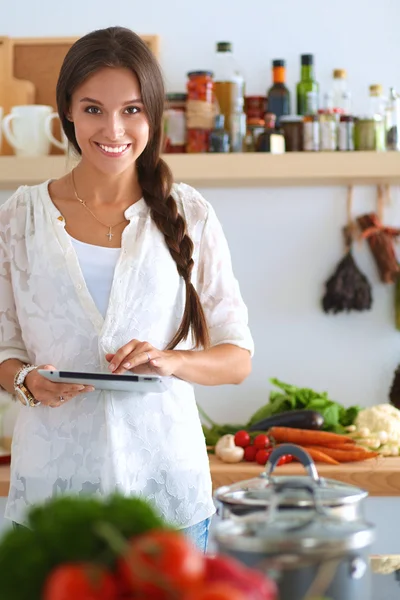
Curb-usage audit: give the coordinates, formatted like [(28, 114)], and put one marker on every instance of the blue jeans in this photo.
[(198, 534)]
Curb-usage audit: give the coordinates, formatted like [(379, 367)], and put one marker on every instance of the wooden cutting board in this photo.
[(13, 91)]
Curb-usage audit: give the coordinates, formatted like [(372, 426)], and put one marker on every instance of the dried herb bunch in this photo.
[(348, 288)]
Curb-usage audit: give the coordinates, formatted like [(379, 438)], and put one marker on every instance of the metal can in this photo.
[(346, 133)]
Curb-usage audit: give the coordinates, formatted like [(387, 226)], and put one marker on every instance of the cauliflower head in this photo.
[(382, 417)]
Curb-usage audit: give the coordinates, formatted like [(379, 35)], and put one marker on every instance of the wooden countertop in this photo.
[(378, 476)]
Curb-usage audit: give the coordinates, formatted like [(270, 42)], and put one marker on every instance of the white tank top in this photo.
[(97, 265)]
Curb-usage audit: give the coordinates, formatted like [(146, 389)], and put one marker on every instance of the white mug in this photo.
[(28, 135), (63, 144)]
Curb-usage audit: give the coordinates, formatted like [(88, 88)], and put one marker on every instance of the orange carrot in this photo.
[(307, 436), (321, 457), (346, 447), (344, 455)]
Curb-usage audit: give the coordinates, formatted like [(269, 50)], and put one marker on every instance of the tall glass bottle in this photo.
[(341, 97), (307, 83), (278, 94), (229, 85), (377, 112)]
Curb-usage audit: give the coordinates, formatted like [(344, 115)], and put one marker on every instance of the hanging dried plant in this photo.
[(348, 288)]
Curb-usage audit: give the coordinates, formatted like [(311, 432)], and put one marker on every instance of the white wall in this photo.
[(284, 242)]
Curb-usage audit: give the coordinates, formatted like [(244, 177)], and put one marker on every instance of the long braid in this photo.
[(156, 185)]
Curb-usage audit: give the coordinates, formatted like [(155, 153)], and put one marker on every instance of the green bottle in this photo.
[(306, 84)]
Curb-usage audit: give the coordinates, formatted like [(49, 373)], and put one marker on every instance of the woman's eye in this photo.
[(92, 110), (132, 110)]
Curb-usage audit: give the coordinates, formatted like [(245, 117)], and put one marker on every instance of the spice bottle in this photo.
[(341, 97), (307, 83), (219, 138), (377, 110), (328, 130), (311, 124), (271, 140), (278, 94), (255, 127)]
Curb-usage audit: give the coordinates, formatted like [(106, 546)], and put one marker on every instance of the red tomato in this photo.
[(262, 456), (80, 582), (262, 441), (242, 438), (286, 458), (250, 453), (216, 591), (254, 584), (160, 560)]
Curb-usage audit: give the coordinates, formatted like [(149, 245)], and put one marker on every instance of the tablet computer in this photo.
[(128, 382)]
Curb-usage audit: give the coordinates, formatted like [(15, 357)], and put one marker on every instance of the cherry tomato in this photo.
[(242, 439), (80, 582), (262, 456), (160, 560), (286, 458), (262, 441), (216, 591), (250, 453)]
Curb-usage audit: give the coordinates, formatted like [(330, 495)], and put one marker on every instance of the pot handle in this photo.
[(299, 453)]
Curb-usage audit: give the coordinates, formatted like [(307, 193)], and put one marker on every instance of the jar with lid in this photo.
[(255, 127), (328, 130), (175, 123), (292, 127), (368, 133), (200, 110), (255, 107)]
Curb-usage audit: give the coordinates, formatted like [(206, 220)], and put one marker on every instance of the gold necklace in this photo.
[(110, 234)]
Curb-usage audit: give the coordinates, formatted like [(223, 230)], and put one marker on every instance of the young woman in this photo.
[(114, 267)]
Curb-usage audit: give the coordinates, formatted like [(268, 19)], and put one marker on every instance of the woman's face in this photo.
[(111, 125)]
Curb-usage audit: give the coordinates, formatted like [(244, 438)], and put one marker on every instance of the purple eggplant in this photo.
[(299, 419)]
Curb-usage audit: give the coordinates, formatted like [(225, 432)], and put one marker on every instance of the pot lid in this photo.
[(294, 533), (259, 491)]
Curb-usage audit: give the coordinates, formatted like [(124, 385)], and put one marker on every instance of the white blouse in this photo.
[(145, 444), (97, 264)]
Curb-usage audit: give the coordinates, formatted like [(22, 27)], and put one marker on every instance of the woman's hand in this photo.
[(50, 393), (142, 358)]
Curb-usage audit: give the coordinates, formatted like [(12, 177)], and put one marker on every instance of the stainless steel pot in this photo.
[(310, 551), (245, 497)]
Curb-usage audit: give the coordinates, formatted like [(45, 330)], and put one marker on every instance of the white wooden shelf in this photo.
[(235, 170)]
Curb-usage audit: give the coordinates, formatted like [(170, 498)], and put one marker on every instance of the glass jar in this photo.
[(292, 127), (368, 134), (175, 123), (200, 110), (346, 133), (255, 107), (328, 130), (255, 127)]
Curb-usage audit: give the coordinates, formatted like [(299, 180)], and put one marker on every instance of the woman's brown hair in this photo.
[(121, 48)]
